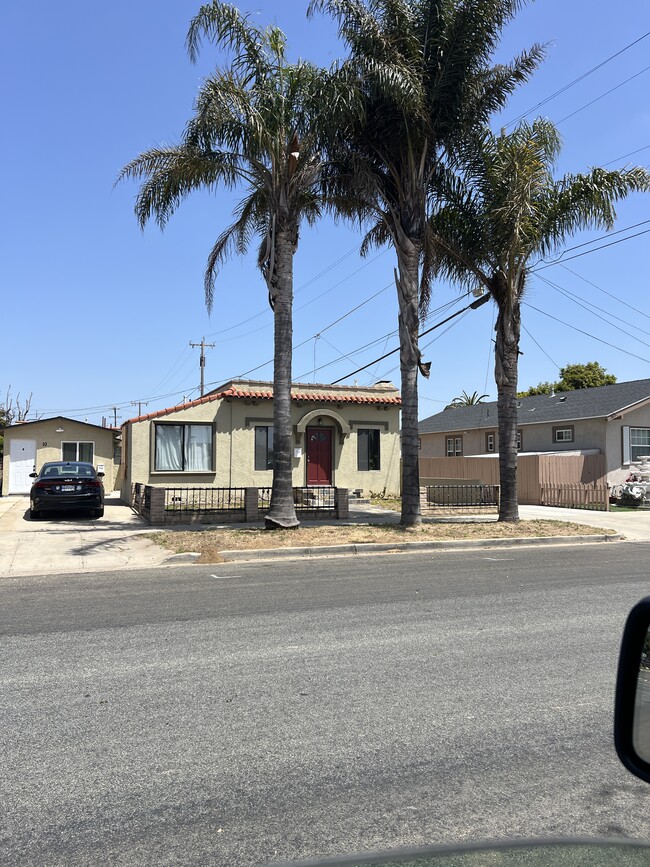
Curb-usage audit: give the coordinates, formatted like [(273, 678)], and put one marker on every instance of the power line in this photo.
[(576, 80), (539, 347), (586, 333), (385, 337), (602, 96), (604, 291), (473, 306), (591, 308), (624, 156), (586, 253), (594, 241)]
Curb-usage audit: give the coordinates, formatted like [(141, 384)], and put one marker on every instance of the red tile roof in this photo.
[(345, 395)]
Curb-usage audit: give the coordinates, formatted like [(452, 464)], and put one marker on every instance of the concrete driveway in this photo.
[(73, 542)]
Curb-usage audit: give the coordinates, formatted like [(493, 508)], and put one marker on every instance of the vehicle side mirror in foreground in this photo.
[(632, 706), (101, 475), (33, 475)]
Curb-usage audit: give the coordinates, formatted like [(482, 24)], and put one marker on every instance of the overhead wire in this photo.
[(577, 80), (604, 291), (586, 333), (602, 96), (591, 308)]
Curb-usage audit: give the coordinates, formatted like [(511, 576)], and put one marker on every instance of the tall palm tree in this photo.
[(424, 74), (505, 212), (255, 127)]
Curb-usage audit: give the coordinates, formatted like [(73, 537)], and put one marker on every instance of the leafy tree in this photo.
[(503, 213), (589, 375), (465, 399), (255, 126), (540, 388), (424, 73)]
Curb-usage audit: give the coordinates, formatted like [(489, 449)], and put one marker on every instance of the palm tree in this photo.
[(254, 126), (504, 213), (465, 399), (423, 71)]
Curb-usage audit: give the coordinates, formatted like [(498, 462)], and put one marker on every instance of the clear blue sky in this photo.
[(97, 314)]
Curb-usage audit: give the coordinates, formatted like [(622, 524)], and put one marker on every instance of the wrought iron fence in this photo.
[(307, 499), (475, 498), (204, 499)]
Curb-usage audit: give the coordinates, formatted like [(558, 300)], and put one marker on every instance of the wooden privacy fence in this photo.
[(533, 471), (594, 497)]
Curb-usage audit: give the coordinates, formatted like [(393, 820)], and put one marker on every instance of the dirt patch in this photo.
[(210, 542)]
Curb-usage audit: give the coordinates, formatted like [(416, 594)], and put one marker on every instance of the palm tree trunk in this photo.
[(407, 281), (506, 352), (282, 513)]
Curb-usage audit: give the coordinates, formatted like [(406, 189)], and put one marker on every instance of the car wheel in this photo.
[(34, 514)]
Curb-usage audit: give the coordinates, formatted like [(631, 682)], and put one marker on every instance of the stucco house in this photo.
[(342, 435), (613, 420), (29, 444)]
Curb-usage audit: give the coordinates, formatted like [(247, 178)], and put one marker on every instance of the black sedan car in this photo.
[(67, 485)]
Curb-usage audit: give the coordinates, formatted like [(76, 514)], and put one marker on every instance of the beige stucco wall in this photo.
[(235, 422), (48, 444)]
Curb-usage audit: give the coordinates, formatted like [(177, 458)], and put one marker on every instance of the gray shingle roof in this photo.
[(563, 406)]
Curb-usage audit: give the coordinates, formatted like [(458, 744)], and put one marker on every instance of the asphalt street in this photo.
[(246, 713)]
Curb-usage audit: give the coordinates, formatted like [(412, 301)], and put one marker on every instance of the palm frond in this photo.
[(223, 24)]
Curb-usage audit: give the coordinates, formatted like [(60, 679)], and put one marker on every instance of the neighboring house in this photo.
[(29, 444), (342, 435), (613, 420)]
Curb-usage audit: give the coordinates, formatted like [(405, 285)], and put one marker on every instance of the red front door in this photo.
[(319, 456)]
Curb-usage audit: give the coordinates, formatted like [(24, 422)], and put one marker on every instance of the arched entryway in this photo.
[(319, 428)]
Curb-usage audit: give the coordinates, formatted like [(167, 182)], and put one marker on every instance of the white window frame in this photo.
[(456, 449), (631, 459), (559, 435), (490, 442)]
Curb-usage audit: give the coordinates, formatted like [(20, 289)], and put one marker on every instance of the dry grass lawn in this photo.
[(210, 542)]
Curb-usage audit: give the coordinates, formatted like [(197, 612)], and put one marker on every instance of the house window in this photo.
[(490, 441), (563, 434), (183, 448), (264, 448), (520, 440), (639, 443), (454, 447), (367, 449), (78, 452)]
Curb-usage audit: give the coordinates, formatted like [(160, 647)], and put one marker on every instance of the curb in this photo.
[(183, 557), (398, 547)]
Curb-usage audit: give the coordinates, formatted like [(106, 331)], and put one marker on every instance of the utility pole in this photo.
[(140, 404), (114, 408), (203, 346)]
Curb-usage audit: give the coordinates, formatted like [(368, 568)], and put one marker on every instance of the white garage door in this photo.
[(22, 454)]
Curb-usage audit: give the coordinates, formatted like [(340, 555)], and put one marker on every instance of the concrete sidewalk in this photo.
[(116, 541)]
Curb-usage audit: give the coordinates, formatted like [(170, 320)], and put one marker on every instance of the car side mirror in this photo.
[(632, 706), (33, 475), (101, 475)]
